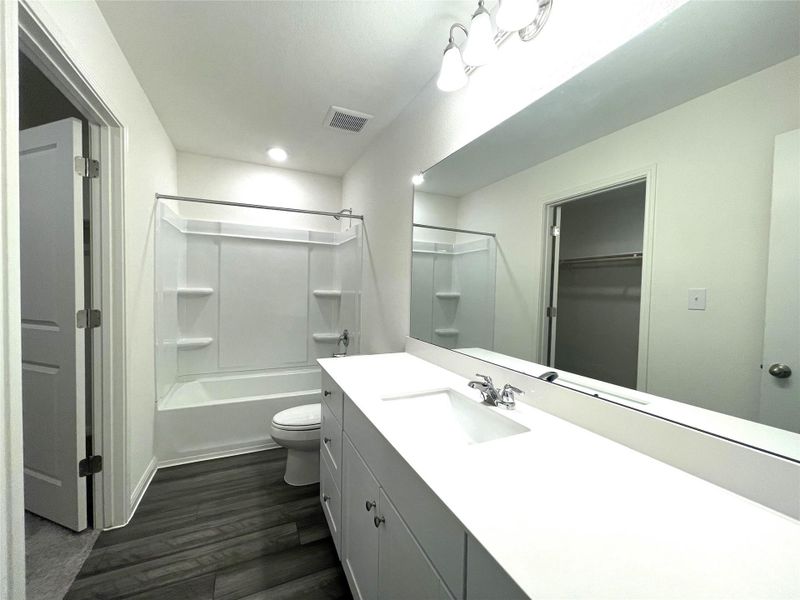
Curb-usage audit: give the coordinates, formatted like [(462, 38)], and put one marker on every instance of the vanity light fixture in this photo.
[(452, 76), (277, 154), (526, 17), (418, 179), (480, 47)]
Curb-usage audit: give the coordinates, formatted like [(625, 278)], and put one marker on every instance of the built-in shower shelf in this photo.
[(194, 343), (448, 295), (325, 337), (328, 293), (446, 332), (194, 292)]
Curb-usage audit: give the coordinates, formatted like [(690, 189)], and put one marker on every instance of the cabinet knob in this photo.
[(370, 505), (327, 440), (326, 393), (378, 521), (325, 497)]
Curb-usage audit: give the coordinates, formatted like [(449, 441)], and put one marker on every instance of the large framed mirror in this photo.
[(637, 230)]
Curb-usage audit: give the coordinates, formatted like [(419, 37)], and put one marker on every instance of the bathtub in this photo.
[(230, 414)]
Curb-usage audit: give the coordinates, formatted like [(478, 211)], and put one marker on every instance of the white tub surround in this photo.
[(555, 511), (217, 416)]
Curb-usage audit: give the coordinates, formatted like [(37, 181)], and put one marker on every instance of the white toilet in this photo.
[(297, 430)]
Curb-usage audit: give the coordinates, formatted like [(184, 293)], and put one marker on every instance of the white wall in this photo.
[(149, 167), (236, 181), (436, 124), (713, 160)]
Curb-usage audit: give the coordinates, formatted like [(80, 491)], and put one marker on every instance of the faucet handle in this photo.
[(508, 395), (486, 378)]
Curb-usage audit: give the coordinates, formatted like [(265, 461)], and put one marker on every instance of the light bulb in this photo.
[(452, 76), (480, 47), (514, 15), (277, 154), (418, 179)]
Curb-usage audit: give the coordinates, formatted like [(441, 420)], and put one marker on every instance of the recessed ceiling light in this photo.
[(418, 179), (277, 154)]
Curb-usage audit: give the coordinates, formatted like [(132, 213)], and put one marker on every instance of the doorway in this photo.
[(594, 277), (56, 275)]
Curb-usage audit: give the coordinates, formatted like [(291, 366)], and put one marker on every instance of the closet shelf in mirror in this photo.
[(605, 258), (328, 293), (325, 337), (193, 343), (448, 295), (194, 292), (446, 332)]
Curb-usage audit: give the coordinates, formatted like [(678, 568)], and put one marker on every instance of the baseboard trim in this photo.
[(185, 460), (139, 490)]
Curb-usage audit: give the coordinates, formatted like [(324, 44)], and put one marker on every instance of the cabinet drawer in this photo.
[(331, 444), (331, 500), (435, 528), (332, 395)]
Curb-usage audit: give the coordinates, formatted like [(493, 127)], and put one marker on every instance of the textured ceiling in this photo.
[(232, 78)]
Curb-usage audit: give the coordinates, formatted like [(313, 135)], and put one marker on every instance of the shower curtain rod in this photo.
[(336, 215), (454, 229)]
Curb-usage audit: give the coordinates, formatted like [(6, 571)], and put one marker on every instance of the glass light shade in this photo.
[(418, 179), (452, 76), (514, 15), (480, 47)]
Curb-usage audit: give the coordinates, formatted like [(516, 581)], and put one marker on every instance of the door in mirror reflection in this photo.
[(595, 276)]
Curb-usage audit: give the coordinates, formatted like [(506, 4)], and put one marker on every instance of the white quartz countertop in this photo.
[(570, 514)]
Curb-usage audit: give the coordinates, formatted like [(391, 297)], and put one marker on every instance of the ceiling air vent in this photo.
[(345, 119)]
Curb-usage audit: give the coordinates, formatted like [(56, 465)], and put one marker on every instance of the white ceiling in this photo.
[(698, 48), (231, 78)]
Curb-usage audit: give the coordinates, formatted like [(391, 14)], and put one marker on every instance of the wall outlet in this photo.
[(697, 298)]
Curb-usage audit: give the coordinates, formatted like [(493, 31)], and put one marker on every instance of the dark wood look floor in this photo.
[(222, 529)]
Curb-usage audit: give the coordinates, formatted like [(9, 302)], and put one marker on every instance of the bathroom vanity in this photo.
[(431, 494)]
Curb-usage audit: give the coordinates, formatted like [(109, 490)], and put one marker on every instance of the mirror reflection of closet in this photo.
[(595, 284)]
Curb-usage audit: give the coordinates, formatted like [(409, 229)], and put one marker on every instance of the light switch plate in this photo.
[(697, 298)]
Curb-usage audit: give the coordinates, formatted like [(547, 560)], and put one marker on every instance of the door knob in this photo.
[(780, 371), (370, 505), (326, 393), (378, 521), (325, 497)]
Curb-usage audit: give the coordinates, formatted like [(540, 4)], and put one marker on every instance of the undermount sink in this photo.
[(447, 416)]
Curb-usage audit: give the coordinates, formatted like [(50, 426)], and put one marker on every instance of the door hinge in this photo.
[(552, 311), (86, 167), (88, 318), (90, 465), (555, 231)]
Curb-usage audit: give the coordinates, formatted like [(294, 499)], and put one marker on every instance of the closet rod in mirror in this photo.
[(605, 258)]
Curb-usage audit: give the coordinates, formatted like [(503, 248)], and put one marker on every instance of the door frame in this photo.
[(24, 30), (646, 174)]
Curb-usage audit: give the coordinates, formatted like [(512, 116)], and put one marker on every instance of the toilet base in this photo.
[(302, 467)]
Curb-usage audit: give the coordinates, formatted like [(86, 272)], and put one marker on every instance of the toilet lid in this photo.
[(307, 416)]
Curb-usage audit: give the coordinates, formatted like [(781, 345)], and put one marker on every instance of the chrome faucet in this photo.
[(491, 395)]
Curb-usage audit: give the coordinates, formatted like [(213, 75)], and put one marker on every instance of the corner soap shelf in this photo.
[(194, 292), (328, 293), (193, 343)]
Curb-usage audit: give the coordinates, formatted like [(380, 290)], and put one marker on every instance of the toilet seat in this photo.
[(307, 417)]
